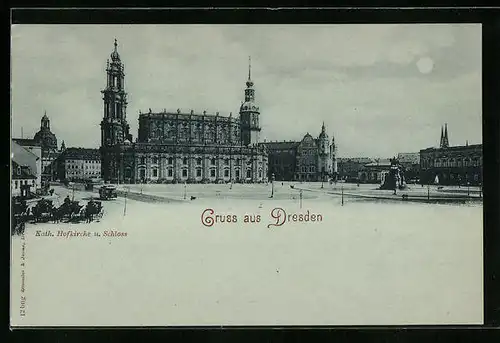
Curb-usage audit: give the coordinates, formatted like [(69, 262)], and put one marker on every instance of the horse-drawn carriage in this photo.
[(42, 211), (69, 211), (20, 213), (107, 192)]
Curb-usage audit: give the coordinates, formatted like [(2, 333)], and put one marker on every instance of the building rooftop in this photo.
[(453, 148), (409, 157), (22, 156), (286, 145), (379, 163), (26, 141), (81, 154), (355, 159), (190, 114)]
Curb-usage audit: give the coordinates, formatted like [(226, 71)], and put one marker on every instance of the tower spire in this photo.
[(249, 68), (116, 45), (446, 143), (442, 138)]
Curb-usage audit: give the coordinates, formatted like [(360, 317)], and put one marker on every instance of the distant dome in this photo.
[(46, 139), (127, 142)]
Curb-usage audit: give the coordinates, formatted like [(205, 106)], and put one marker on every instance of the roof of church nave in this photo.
[(191, 113)]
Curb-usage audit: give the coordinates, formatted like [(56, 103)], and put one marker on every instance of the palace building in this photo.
[(177, 146), (451, 165), (310, 159)]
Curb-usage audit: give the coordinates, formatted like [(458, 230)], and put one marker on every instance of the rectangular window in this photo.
[(212, 161), (15, 183), (237, 173), (198, 172), (170, 172), (155, 172), (184, 173), (143, 160), (170, 160), (185, 161), (212, 173), (155, 160), (226, 173)]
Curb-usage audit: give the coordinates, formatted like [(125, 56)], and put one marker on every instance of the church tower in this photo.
[(444, 143), (114, 127), (324, 157), (249, 114), (333, 154)]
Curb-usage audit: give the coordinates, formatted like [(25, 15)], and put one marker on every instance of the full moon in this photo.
[(425, 65)]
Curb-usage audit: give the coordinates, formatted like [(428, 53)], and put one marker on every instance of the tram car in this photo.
[(107, 192)]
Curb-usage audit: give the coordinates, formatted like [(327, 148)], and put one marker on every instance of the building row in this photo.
[(178, 146), (199, 147), (444, 165)]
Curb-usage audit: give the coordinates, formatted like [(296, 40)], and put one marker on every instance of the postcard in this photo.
[(270, 175)]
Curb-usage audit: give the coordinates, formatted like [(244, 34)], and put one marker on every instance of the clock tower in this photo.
[(250, 114)]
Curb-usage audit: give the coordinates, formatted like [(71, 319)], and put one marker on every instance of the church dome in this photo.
[(47, 139), (249, 106), (115, 56)]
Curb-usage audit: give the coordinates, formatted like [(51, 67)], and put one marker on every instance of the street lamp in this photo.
[(468, 184), (322, 179), (125, 205), (272, 185), (185, 185)]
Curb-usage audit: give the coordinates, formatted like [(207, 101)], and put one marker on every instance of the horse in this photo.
[(58, 213), (41, 209), (90, 210)]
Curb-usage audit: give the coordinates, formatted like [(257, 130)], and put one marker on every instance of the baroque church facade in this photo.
[(174, 147)]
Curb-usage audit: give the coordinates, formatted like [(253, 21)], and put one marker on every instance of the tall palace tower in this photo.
[(114, 127), (249, 114)]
